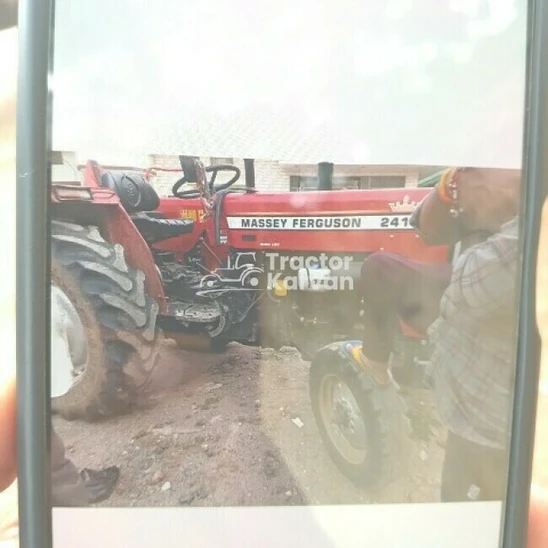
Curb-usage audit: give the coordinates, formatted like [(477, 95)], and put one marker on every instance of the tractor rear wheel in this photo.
[(362, 425), (104, 338)]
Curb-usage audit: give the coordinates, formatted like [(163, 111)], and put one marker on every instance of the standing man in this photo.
[(474, 337), (468, 313)]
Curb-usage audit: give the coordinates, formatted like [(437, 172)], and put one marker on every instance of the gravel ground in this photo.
[(236, 429)]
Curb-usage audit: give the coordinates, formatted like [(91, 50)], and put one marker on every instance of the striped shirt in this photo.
[(474, 340)]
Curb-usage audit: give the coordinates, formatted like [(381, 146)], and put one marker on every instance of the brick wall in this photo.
[(64, 167), (412, 180), (163, 181), (269, 176), (412, 174)]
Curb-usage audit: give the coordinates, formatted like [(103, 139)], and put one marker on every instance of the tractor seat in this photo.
[(135, 192), (155, 230), (140, 200)]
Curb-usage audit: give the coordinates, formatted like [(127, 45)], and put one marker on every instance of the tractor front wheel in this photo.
[(361, 423)]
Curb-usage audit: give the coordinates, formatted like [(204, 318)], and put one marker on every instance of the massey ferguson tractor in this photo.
[(211, 264)]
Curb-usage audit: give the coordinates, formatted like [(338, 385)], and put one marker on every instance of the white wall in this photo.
[(65, 170), (269, 176)]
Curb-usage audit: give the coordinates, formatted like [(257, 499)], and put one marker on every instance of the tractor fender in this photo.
[(120, 229), (104, 210)]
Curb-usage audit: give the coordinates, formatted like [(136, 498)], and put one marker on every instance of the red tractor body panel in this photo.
[(175, 208), (359, 221), (366, 221)]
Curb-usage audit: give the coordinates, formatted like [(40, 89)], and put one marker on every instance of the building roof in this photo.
[(431, 180)]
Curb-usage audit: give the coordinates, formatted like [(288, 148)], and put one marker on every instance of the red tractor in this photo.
[(214, 263)]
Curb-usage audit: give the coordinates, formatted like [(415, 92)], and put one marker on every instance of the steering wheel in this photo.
[(214, 170)]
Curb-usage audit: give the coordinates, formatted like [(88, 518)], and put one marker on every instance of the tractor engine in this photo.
[(205, 302), (316, 296)]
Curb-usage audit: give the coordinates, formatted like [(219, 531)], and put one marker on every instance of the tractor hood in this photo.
[(353, 220)]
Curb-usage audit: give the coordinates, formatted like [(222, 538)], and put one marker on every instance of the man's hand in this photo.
[(8, 463), (538, 517), (9, 531), (8, 460)]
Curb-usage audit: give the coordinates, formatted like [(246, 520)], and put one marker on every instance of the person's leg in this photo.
[(459, 478), (494, 474), (393, 287), (472, 472), (68, 489), (72, 488)]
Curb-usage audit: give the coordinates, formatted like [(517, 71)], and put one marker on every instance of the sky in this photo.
[(349, 81)]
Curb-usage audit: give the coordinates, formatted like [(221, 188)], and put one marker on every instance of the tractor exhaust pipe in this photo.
[(325, 176), (249, 165)]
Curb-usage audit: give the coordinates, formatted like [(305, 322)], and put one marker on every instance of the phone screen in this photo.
[(286, 247)]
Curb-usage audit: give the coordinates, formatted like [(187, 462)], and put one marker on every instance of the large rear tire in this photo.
[(119, 322), (361, 424)]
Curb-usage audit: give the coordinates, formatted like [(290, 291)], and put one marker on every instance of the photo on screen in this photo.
[(285, 259)]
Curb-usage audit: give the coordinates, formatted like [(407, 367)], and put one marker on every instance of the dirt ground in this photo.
[(237, 429)]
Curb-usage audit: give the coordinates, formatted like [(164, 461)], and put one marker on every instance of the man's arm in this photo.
[(484, 277)]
